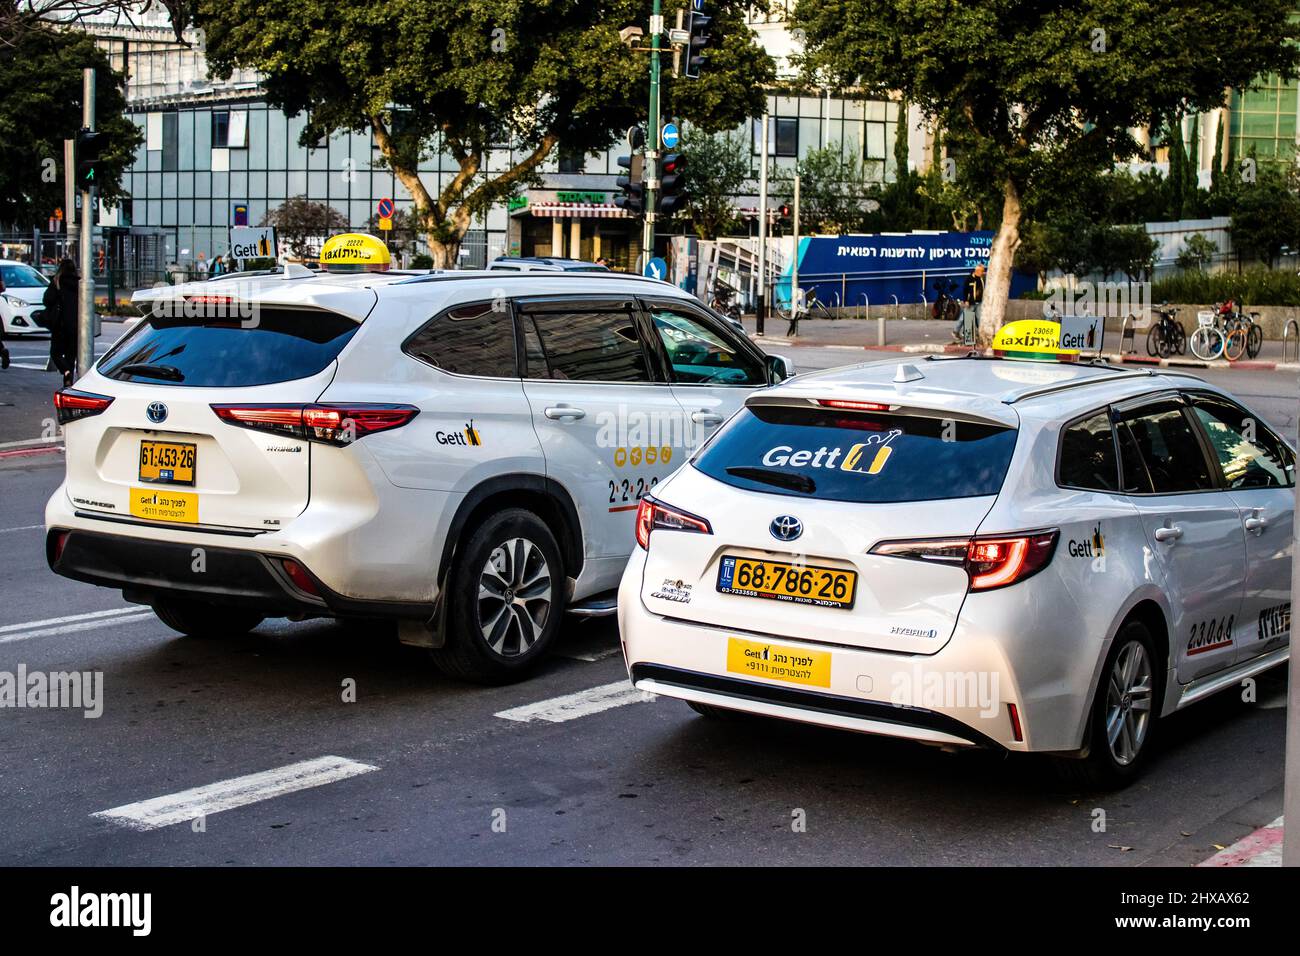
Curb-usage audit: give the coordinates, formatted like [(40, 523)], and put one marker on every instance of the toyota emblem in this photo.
[(786, 527), (157, 412)]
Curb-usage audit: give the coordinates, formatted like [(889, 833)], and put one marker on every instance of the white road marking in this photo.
[(25, 527), (572, 706), (72, 623), (236, 792)]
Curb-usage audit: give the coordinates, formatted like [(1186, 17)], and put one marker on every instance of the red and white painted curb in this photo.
[(1261, 848), (30, 448)]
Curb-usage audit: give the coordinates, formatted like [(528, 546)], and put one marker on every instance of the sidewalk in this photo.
[(929, 336), (1261, 848)]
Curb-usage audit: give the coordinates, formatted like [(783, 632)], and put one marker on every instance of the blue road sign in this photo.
[(656, 268), (671, 135)]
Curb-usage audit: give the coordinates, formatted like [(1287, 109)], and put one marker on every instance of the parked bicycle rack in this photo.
[(1127, 334), (1286, 341)]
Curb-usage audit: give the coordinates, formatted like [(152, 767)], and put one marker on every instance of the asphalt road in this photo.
[(454, 782)]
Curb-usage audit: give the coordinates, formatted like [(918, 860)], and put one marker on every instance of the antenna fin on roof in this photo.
[(296, 270), (907, 373)]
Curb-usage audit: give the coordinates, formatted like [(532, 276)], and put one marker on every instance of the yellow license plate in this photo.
[(168, 462), (782, 581), (794, 665), (164, 504)]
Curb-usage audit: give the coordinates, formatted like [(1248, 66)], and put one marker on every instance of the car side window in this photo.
[(1088, 455), (595, 346), (477, 339), (1163, 437), (1250, 455), (698, 355)]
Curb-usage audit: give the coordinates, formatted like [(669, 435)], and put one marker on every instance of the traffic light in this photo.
[(632, 184), (672, 193), (90, 148), (698, 28)]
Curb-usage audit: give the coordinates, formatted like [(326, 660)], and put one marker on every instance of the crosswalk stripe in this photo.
[(71, 623), (582, 704), (235, 792)]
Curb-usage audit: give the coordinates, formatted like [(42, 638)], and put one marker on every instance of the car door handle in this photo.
[(705, 417), (1172, 533), (557, 412), (1256, 523)]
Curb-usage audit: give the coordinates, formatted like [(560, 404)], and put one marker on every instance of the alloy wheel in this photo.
[(1128, 703), (514, 597)]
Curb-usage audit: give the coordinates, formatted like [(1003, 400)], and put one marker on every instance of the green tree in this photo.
[(1042, 89), (1198, 252), (835, 190), (40, 107), (718, 167), (460, 80), (1266, 216), (301, 224)]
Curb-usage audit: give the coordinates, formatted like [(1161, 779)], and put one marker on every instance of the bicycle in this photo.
[(1167, 335), (1207, 342)]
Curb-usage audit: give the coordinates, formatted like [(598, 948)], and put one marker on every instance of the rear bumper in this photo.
[(146, 570)]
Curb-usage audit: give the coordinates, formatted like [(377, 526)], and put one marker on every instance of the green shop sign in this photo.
[(597, 198)]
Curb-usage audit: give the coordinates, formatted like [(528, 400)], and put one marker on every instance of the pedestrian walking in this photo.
[(62, 307), (201, 268), (972, 297)]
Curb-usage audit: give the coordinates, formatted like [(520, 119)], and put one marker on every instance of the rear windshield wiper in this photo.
[(782, 479), (168, 373)]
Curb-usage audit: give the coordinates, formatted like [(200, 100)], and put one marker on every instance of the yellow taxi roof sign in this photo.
[(354, 252), (1031, 338)]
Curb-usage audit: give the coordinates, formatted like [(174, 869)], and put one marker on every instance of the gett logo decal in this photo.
[(864, 458), (470, 436), (1094, 547)]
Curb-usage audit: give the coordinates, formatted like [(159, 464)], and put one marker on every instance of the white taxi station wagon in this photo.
[(450, 451), (970, 552)]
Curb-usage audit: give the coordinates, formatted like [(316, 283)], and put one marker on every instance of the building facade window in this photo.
[(1264, 119)]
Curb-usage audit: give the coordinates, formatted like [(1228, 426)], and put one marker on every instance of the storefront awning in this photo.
[(577, 210)]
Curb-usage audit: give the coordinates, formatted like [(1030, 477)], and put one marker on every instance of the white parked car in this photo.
[(970, 552), (24, 287), (462, 452)]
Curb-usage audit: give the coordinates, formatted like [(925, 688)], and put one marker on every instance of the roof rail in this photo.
[(452, 276), (1010, 398)]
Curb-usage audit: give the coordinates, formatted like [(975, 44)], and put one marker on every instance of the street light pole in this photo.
[(652, 135), (86, 293), (761, 304)]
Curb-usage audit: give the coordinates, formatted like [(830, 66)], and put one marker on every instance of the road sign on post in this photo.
[(671, 136), (385, 208)]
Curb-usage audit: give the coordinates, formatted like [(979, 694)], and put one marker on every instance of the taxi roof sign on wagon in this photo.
[(355, 252), (1049, 340)]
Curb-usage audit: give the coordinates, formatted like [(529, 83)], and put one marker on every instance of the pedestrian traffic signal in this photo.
[(89, 150), (631, 184), (672, 191), (698, 28)]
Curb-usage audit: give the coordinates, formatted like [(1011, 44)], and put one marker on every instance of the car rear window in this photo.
[(270, 345), (858, 457)]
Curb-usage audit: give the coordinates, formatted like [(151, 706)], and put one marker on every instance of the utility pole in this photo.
[(69, 194), (794, 262), (653, 136), (761, 305), (86, 312)]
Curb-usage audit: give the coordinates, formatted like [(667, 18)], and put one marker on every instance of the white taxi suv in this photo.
[(970, 552), (21, 300), (461, 452)]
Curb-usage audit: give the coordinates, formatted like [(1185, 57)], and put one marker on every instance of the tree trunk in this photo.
[(445, 252), (997, 284)]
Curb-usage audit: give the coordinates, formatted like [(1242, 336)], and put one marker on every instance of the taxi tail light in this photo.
[(70, 404), (993, 561), (329, 424), (652, 515)]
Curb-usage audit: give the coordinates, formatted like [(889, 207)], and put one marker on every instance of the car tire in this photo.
[(198, 619), (1130, 666), (506, 596)]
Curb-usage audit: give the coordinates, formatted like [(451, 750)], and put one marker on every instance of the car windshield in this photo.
[(866, 458), (19, 276)]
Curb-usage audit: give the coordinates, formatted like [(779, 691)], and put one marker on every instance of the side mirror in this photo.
[(779, 368)]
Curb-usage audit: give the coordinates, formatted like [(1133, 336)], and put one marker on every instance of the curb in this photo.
[(1261, 848), (29, 448)]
